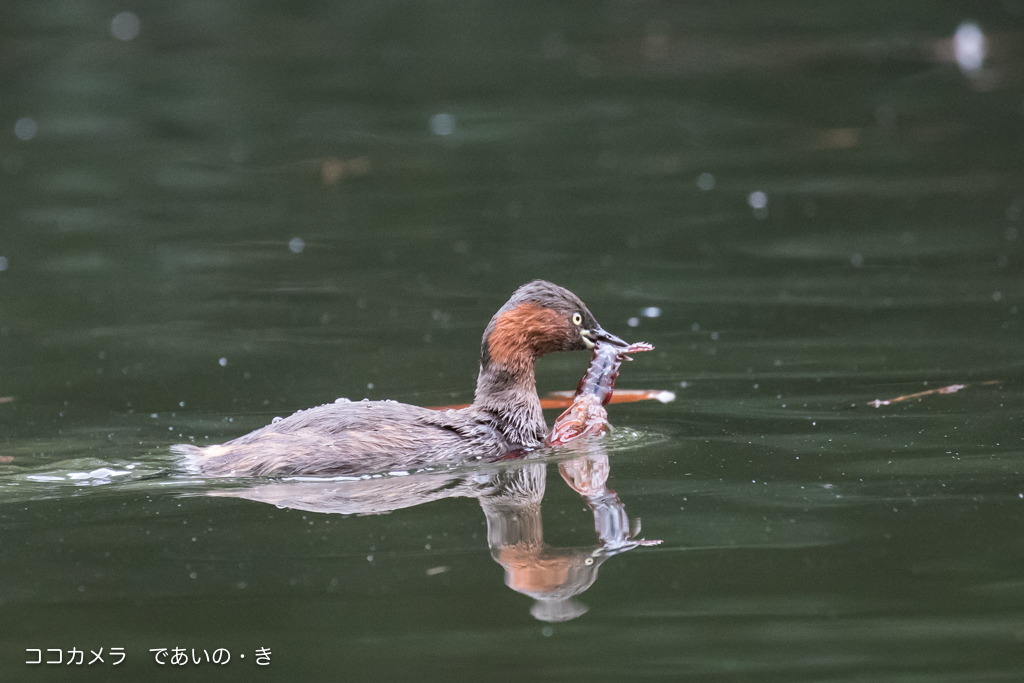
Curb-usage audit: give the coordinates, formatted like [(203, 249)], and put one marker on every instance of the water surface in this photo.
[(247, 210)]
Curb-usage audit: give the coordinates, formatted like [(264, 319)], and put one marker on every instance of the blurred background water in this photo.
[(213, 212)]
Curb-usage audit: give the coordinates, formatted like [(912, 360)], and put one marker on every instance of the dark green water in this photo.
[(431, 157)]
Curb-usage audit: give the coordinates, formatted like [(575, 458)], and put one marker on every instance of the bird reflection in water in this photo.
[(554, 576), (510, 496)]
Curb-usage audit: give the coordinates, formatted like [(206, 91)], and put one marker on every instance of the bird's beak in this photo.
[(592, 337)]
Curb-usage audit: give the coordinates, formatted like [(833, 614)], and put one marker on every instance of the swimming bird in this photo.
[(347, 437)]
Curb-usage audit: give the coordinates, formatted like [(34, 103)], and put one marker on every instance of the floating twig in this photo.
[(563, 399), (950, 389)]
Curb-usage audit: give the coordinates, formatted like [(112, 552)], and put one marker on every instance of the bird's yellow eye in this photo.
[(577, 319)]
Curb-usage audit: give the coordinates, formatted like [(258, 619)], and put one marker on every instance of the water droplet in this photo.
[(25, 128), (125, 26), (442, 124), (705, 182), (969, 46)]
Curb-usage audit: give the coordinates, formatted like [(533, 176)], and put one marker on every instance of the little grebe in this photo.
[(372, 436)]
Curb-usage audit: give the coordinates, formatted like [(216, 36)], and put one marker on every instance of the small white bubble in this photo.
[(125, 26), (25, 128), (547, 631), (223, 362), (695, 327), (181, 404), (757, 200), (857, 260), (651, 312), (705, 182), (3, 263), (969, 46), (297, 244), (370, 385), (996, 296), (442, 124), (633, 322), (714, 336)]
